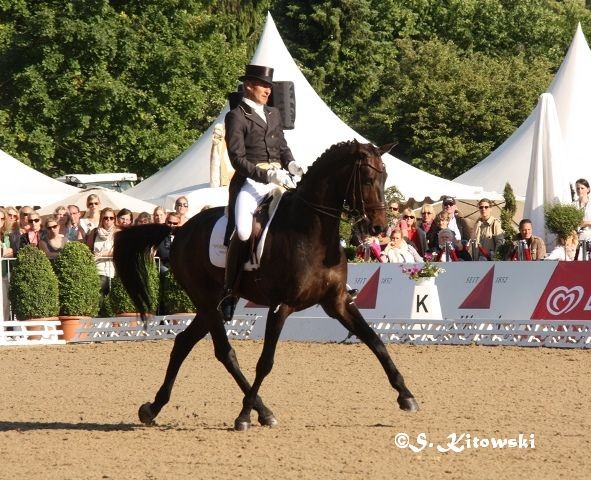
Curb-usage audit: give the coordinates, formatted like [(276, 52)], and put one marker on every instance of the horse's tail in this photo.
[(132, 251)]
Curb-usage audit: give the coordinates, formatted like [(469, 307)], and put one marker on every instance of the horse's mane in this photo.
[(324, 163)]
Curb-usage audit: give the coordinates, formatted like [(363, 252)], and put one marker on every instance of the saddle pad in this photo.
[(217, 249)]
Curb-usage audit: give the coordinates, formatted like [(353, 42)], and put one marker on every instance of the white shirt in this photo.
[(257, 107)]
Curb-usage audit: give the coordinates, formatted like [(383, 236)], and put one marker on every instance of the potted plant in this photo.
[(422, 273), (562, 219), (79, 286), (33, 287), (174, 299)]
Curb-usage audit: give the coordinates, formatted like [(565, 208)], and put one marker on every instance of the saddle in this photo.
[(261, 217)]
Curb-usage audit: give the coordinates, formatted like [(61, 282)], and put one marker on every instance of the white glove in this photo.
[(295, 169), (279, 177)]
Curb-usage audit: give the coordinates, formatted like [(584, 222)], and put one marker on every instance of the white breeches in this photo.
[(247, 201)]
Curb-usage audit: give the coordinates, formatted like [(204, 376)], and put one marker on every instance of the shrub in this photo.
[(79, 283), (174, 298), (34, 287), (562, 219), (119, 301)]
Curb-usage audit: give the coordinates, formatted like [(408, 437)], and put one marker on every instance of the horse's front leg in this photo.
[(346, 312), (183, 344), (275, 321)]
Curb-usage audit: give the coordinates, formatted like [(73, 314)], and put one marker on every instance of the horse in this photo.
[(303, 264)]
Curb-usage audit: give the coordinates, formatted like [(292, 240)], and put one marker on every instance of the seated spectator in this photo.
[(124, 218), (5, 249), (159, 215), (74, 231), (181, 207), (457, 223), (414, 235), (450, 249), (566, 248), (369, 249), (143, 218), (488, 231), (440, 222), (55, 241), (536, 246), (100, 242), (163, 250), (398, 251)]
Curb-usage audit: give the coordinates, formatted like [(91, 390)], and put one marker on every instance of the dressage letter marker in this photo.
[(425, 302)]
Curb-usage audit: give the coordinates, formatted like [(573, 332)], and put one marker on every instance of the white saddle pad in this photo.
[(217, 249)]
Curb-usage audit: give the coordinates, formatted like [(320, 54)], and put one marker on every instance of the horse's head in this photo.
[(365, 193)]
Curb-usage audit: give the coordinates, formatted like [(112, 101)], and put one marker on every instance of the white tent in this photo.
[(22, 185), (316, 129), (572, 95), (109, 198), (547, 180)]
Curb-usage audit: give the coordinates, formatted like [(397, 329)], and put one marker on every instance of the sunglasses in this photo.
[(406, 217), (448, 204), (2, 218), (52, 226), (108, 218), (92, 203), (181, 205), (394, 208), (483, 207), (172, 223), (426, 213), (34, 220)]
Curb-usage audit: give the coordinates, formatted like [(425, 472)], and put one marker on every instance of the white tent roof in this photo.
[(316, 129), (109, 198), (572, 94), (22, 185)]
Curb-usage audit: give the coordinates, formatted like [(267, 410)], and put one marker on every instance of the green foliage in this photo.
[(507, 224), (119, 301), (79, 283), (562, 219), (33, 288), (174, 299)]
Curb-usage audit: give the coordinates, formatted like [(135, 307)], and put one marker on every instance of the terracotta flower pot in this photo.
[(70, 325), (37, 327)]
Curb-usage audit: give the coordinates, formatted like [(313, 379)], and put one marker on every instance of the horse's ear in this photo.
[(386, 148)]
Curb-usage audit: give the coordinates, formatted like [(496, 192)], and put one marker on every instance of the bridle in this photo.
[(353, 215)]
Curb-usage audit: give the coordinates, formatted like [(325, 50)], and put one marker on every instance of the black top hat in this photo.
[(258, 72)]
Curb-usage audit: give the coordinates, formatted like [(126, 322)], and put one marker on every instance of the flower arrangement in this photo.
[(426, 270)]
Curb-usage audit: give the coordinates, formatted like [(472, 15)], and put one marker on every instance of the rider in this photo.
[(259, 153)]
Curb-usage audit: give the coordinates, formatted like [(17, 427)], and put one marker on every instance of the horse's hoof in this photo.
[(268, 421), (241, 425), (146, 415), (408, 404)]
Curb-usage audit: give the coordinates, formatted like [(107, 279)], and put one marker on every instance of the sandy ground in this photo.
[(70, 412)]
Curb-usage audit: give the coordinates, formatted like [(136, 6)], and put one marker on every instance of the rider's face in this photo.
[(257, 91)]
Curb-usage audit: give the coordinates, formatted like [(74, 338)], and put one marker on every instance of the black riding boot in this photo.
[(235, 258)]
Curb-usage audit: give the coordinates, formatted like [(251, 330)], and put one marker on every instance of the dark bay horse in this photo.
[(302, 265)]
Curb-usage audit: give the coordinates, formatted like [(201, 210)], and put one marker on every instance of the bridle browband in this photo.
[(354, 182)]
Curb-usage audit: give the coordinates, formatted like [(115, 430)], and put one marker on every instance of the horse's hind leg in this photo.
[(275, 321), (227, 356), (347, 313), (183, 344)]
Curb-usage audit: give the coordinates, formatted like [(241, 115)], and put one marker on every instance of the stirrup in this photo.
[(227, 306), (353, 292)]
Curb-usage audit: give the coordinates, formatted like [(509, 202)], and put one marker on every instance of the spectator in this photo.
[(33, 235), (582, 202), (427, 222), (441, 221), (55, 241), (181, 207), (488, 231), (163, 250), (5, 249), (11, 218), (414, 235), (159, 215), (450, 249), (143, 218), (536, 246), (124, 218), (74, 232), (369, 249), (457, 223), (398, 251), (100, 242), (566, 248), (91, 218), (393, 215)]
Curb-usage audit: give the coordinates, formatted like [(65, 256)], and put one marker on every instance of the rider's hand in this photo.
[(279, 177), (295, 169)]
